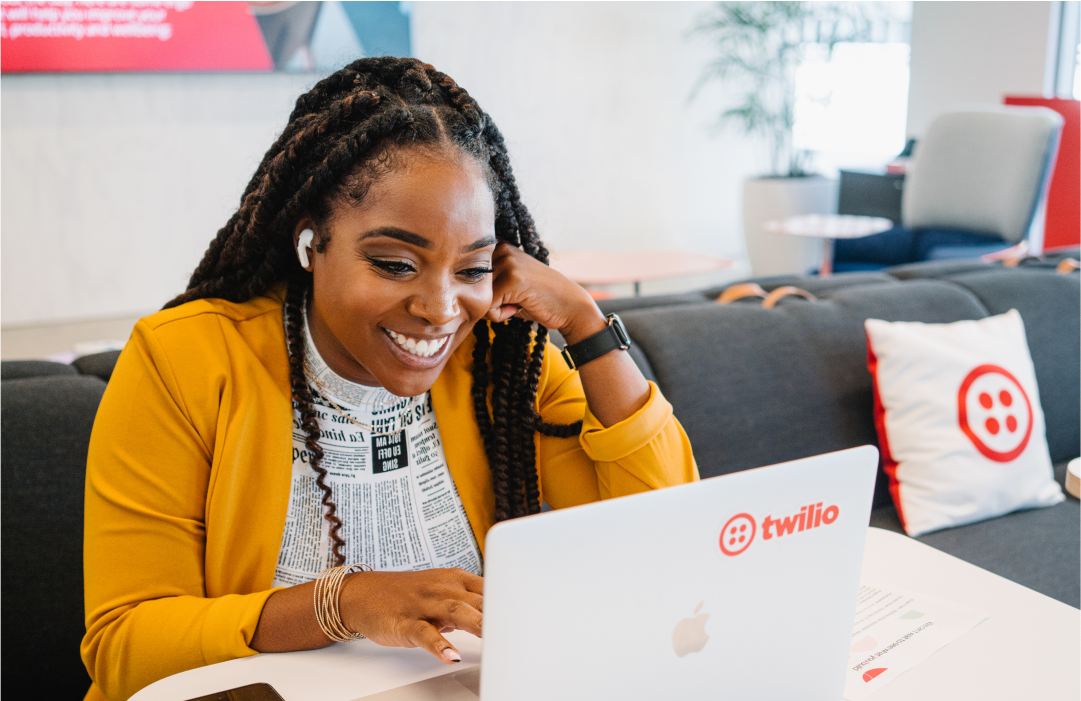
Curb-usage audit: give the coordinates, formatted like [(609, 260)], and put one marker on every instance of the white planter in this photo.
[(766, 199)]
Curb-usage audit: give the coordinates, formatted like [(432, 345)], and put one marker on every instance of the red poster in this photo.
[(53, 37)]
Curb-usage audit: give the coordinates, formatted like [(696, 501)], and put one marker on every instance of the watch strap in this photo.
[(612, 337)]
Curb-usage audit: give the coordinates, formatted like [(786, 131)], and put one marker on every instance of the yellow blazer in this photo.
[(190, 466)]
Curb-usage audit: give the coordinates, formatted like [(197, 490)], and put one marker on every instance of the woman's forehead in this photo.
[(432, 197)]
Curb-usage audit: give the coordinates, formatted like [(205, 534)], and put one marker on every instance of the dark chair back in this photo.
[(45, 423)]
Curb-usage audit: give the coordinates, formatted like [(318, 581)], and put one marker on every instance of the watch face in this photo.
[(621, 330)]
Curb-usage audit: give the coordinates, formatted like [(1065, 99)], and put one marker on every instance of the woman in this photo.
[(382, 288)]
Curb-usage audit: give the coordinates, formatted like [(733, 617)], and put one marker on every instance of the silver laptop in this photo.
[(736, 587)]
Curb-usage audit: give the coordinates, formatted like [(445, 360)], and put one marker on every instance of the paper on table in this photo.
[(894, 631)]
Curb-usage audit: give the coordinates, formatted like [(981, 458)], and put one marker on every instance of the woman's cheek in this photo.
[(478, 300)]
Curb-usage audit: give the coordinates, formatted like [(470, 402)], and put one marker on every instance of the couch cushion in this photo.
[(812, 283), (1050, 304), (622, 304), (1037, 548), (20, 369), (757, 386), (98, 364), (46, 424), (936, 269)]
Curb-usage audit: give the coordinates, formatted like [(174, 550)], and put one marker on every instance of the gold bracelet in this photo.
[(327, 599)]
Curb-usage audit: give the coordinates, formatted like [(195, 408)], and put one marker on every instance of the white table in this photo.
[(829, 228), (1030, 648)]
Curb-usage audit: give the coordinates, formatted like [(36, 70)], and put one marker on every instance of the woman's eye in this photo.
[(394, 267), (475, 273)]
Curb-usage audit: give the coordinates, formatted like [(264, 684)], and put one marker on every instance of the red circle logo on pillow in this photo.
[(995, 413)]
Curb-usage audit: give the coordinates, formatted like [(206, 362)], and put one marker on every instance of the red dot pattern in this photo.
[(992, 425), (735, 532)]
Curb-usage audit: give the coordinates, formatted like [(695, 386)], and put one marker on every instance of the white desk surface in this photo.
[(1029, 648)]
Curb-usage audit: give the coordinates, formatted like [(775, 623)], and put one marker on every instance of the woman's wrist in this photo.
[(350, 598), (583, 323)]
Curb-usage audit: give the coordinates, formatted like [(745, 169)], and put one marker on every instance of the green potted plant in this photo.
[(759, 46)]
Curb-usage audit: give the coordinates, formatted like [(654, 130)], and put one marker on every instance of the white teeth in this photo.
[(424, 349)]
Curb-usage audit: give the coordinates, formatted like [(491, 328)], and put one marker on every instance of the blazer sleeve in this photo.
[(647, 450), (148, 468)]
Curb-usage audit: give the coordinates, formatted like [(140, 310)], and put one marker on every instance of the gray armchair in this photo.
[(982, 171), (977, 186)]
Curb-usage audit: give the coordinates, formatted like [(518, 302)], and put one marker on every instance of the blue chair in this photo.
[(977, 186)]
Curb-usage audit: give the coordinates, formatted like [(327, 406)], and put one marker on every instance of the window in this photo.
[(851, 103)]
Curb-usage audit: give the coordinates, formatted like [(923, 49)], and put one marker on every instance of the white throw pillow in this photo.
[(959, 421)]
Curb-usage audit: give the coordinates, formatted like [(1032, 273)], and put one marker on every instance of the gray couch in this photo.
[(757, 386), (751, 386)]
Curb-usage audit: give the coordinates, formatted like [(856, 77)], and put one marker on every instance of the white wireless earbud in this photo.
[(303, 244)]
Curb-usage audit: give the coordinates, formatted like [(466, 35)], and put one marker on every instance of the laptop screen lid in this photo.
[(742, 586)]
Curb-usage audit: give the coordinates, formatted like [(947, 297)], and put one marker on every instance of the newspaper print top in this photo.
[(399, 506)]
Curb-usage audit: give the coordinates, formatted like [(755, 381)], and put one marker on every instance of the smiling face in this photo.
[(404, 275)]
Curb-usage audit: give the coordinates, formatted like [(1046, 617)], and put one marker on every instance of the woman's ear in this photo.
[(303, 242)]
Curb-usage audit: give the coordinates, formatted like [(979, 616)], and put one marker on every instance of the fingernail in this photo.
[(451, 655)]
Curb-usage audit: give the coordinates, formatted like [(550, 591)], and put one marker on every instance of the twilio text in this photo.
[(810, 516), (740, 530)]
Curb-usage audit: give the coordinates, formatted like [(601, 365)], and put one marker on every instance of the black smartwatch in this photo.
[(612, 337)]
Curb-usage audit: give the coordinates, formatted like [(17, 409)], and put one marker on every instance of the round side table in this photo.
[(829, 228)]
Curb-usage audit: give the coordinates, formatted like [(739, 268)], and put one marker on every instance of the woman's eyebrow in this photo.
[(479, 244), (394, 232)]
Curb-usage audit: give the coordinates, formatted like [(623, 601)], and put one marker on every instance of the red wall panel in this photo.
[(1064, 198)]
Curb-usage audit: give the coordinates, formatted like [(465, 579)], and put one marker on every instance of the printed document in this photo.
[(894, 631)]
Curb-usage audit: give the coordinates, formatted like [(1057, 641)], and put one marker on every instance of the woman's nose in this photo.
[(438, 305)]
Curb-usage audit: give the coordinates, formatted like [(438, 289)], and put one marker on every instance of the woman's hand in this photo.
[(528, 289), (411, 609), (397, 609)]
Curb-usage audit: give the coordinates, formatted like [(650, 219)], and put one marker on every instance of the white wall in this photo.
[(113, 185), (593, 99), (974, 52)]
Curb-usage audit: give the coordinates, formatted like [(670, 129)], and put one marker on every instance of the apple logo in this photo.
[(690, 633)]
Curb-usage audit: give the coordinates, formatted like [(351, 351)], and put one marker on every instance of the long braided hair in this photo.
[(337, 141)]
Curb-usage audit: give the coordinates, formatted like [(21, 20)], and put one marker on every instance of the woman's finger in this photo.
[(462, 616), (472, 582), (427, 636), (474, 600), (503, 312)]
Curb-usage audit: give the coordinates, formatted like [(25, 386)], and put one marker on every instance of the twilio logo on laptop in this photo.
[(738, 534)]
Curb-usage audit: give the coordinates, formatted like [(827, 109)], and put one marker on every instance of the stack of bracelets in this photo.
[(328, 590)]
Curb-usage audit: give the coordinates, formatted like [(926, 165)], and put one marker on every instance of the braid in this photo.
[(302, 397), (337, 142)]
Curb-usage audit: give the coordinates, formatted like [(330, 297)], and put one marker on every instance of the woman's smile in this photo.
[(418, 351)]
